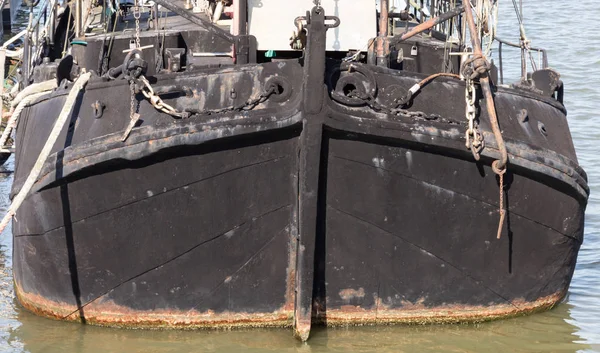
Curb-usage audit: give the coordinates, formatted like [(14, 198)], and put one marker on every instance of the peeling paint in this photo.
[(349, 294), (409, 159)]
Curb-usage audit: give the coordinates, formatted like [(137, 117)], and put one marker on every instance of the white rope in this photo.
[(37, 168), (12, 122), (33, 89)]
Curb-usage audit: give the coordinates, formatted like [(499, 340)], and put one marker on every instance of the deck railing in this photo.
[(542, 58)]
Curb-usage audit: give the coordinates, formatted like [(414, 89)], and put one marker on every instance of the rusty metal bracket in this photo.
[(174, 58)]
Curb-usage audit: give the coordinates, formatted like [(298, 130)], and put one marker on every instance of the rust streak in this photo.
[(419, 314), (290, 292), (107, 313)]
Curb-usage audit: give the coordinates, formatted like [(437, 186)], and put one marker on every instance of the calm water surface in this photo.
[(571, 34)]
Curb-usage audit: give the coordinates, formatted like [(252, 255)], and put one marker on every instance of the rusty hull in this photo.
[(108, 314), (419, 314)]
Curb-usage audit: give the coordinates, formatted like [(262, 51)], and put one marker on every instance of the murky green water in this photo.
[(569, 30)]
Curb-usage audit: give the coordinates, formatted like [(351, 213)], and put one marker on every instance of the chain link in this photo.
[(502, 210), (156, 101), (137, 14), (160, 105), (133, 108), (474, 139), (372, 103)]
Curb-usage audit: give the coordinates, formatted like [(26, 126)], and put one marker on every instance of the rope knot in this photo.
[(475, 67)]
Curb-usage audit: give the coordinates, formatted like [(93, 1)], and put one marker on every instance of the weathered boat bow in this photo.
[(314, 95), (224, 179)]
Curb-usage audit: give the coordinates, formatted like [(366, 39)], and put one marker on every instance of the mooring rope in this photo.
[(15, 114), (43, 156), (19, 103), (33, 89)]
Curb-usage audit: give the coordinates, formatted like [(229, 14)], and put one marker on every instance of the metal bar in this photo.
[(501, 68), (14, 39), (544, 58), (428, 25), (2, 73), (211, 55), (26, 59), (384, 18), (156, 16), (515, 45), (190, 16)]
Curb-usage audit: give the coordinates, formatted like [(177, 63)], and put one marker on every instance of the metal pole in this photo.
[(382, 58), (2, 73), (501, 68), (240, 13), (27, 50), (78, 18)]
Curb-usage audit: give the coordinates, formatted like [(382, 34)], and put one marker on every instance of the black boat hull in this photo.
[(262, 217)]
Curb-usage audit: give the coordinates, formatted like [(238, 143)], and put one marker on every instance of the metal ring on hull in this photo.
[(350, 86)]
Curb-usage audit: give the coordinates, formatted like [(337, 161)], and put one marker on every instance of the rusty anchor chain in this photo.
[(473, 137), (135, 67), (144, 86), (480, 68)]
